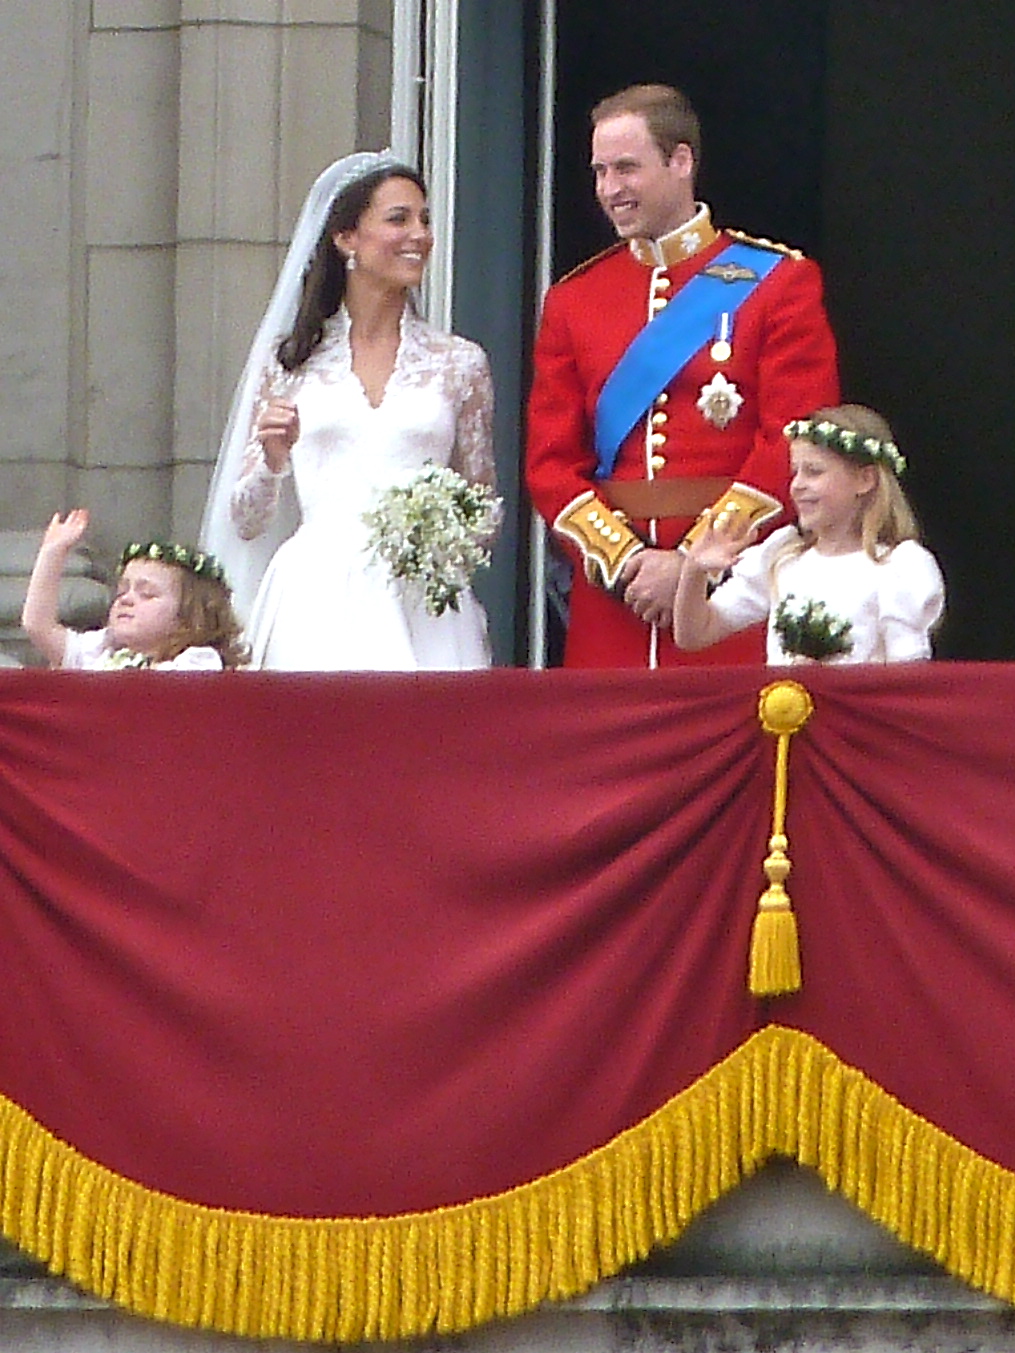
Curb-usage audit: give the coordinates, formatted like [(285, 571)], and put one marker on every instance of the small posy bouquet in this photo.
[(435, 531), (120, 658), (807, 629)]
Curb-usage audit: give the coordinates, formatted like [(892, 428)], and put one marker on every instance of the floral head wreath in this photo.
[(853, 445), (198, 562)]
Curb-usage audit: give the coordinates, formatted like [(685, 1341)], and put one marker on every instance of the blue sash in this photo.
[(669, 341)]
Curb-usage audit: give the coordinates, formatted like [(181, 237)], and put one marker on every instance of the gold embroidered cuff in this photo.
[(604, 538), (740, 500)]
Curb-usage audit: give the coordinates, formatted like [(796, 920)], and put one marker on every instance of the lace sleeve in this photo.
[(473, 452), (254, 498)]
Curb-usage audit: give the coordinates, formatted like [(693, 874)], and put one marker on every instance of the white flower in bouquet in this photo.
[(435, 531), (808, 629), (121, 658)]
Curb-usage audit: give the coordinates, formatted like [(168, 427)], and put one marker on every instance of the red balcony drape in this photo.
[(304, 973)]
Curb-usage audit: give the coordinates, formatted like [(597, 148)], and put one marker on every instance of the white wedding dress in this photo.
[(324, 603)]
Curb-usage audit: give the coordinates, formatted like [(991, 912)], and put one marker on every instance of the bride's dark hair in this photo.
[(324, 279)]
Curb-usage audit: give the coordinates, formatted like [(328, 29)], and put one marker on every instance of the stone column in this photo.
[(154, 156), (122, 404), (40, 210)]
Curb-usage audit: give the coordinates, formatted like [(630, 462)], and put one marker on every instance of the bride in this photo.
[(346, 394)]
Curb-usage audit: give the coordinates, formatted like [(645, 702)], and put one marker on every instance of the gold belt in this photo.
[(648, 498)]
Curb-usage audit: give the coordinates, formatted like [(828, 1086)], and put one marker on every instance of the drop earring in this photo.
[(350, 261)]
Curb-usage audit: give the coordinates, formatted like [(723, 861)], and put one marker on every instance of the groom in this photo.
[(628, 442)]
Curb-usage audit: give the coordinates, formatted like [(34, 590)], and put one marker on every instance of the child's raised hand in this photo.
[(64, 533), (40, 614), (723, 540)]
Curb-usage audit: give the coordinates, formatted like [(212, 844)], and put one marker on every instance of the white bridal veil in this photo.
[(246, 560)]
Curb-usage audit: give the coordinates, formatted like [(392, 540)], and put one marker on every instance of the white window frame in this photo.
[(424, 132), (538, 545), (424, 128)]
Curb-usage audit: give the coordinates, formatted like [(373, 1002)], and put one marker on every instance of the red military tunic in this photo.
[(783, 365)]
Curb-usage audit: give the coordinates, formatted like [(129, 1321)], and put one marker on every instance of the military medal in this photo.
[(720, 401), (722, 348)]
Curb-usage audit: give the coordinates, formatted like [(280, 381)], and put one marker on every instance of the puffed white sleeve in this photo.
[(197, 658), (83, 649), (911, 598)]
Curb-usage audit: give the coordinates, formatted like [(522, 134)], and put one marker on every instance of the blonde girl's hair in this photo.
[(205, 619), (887, 518)]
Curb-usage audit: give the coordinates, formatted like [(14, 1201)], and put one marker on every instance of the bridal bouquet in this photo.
[(435, 532), (808, 629)]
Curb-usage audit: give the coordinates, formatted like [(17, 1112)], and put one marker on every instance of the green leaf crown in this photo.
[(198, 562), (854, 445)]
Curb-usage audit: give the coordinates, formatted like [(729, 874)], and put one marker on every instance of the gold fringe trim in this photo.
[(780, 1093)]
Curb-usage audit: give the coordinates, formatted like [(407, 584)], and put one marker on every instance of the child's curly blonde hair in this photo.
[(206, 619)]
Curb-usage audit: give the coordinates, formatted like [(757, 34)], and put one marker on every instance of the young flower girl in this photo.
[(171, 610), (848, 582)]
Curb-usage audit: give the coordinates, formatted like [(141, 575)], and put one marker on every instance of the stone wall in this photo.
[(154, 156)]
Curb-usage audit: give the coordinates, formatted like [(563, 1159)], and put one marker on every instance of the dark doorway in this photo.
[(876, 135), (761, 167)]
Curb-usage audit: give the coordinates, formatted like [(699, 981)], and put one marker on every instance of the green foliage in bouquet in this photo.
[(435, 532), (809, 630)]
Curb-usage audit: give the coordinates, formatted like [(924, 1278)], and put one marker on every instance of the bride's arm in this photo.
[(473, 456), (254, 500)]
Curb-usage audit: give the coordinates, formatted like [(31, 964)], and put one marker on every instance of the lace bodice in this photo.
[(437, 406)]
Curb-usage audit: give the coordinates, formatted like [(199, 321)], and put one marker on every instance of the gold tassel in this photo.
[(783, 709), (775, 948)]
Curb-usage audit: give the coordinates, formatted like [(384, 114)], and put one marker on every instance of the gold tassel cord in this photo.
[(349, 1279), (774, 970)]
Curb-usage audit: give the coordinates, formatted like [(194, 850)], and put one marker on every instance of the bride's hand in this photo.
[(278, 429)]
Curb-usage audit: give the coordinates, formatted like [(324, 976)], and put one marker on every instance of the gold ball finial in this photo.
[(784, 707)]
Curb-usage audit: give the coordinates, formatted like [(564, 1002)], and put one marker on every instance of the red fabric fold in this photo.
[(362, 945), (903, 853)]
